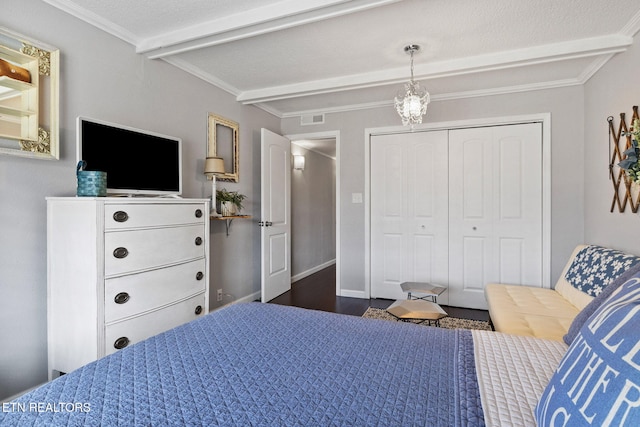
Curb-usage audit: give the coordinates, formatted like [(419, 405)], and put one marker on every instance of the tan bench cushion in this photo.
[(525, 310)]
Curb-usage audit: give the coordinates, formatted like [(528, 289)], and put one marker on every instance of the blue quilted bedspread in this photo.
[(267, 365)]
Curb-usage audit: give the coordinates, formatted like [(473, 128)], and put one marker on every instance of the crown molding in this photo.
[(593, 68), (97, 21), (197, 72), (632, 27)]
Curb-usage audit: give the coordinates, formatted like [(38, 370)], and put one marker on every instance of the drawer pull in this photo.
[(120, 252), (198, 310), (120, 216), (121, 343), (198, 213), (199, 275), (198, 241), (121, 298)]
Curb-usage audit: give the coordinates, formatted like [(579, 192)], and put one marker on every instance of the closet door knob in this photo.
[(121, 343), (121, 298), (198, 213), (120, 252), (198, 241), (198, 310), (199, 275), (120, 216)]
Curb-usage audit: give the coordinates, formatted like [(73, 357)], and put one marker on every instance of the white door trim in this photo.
[(336, 135), (544, 118)]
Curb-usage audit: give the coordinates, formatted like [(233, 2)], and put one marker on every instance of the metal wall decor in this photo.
[(625, 191)]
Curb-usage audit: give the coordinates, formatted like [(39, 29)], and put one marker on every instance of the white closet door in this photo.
[(409, 211), (495, 209)]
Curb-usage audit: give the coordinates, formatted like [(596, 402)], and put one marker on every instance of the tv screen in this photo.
[(136, 161)]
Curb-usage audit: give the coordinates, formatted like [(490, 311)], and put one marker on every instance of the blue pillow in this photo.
[(598, 380), (595, 267), (586, 312)]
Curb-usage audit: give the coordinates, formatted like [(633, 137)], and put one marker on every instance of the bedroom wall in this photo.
[(613, 90), (313, 213), (102, 77), (567, 193)]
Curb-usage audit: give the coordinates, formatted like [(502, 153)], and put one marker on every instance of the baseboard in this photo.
[(256, 296), (353, 294), (315, 269)]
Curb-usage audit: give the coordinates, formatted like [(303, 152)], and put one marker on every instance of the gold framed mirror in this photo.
[(223, 142), (29, 97)]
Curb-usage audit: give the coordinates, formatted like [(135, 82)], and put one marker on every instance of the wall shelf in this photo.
[(229, 219)]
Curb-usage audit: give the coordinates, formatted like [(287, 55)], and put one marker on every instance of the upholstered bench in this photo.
[(548, 313)]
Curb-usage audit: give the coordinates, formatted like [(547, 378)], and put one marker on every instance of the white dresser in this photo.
[(121, 270)]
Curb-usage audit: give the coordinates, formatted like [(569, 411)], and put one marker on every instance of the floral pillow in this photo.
[(595, 267), (586, 312), (598, 380)]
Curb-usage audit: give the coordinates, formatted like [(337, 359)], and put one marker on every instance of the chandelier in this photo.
[(411, 103)]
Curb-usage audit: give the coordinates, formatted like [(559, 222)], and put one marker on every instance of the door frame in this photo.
[(324, 135), (543, 118)]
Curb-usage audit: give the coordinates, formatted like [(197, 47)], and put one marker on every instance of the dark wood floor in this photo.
[(318, 292)]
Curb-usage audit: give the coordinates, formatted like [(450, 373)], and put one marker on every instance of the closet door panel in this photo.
[(474, 263), (498, 199), (518, 225), (408, 211), (471, 213)]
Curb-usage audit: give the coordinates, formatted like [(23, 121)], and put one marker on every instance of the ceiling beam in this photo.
[(250, 23), (606, 45)]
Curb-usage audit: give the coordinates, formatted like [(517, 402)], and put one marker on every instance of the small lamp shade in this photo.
[(213, 165), (298, 162)]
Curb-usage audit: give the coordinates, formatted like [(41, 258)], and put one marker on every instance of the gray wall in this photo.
[(102, 77), (313, 212), (567, 151), (614, 90)]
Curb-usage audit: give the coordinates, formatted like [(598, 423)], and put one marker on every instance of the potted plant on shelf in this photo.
[(230, 202)]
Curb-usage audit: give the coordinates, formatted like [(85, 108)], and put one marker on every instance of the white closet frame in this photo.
[(543, 118)]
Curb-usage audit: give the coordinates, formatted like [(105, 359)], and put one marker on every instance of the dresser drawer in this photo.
[(129, 295), (123, 216), (131, 331), (135, 250)]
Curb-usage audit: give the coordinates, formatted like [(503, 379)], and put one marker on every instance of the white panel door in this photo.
[(495, 209), (275, 214), (408, 211)]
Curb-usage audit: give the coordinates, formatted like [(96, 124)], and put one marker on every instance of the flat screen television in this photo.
[(137, 162)]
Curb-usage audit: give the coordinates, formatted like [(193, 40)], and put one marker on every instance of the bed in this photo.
[(264, 364)]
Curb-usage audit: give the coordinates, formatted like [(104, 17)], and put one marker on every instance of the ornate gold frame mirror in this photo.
[(29, 97), (223, 142)]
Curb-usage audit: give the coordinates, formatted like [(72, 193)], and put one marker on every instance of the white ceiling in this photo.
[(293, 57)]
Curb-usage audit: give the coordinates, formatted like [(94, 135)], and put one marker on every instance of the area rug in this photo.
[(447, 322)]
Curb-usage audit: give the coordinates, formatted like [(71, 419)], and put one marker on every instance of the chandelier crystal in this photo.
[(411, 103)]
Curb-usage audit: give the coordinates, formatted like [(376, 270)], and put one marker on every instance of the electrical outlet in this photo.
[(219, 294)]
